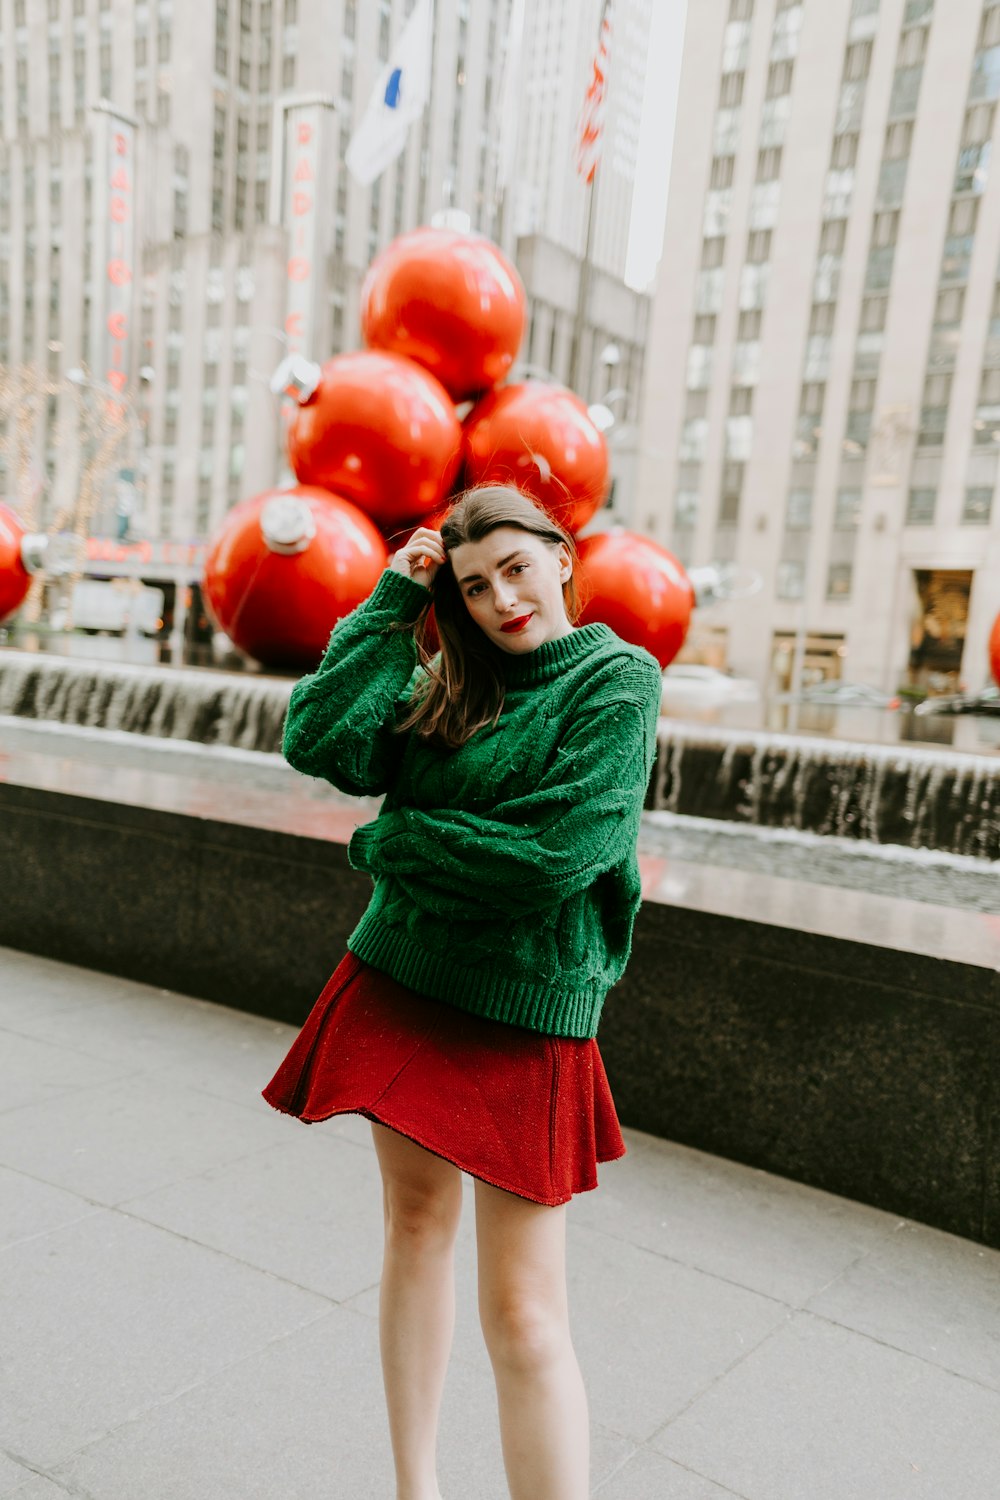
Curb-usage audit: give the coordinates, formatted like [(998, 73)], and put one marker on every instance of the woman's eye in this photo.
[(477, 586)]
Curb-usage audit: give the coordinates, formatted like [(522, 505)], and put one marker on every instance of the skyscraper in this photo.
[(198, 96), (822, 398)]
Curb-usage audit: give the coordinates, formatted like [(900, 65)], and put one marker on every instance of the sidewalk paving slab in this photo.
[(189, 1295)]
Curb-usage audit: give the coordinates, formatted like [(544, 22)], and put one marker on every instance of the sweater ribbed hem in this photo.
[(548, 1008)]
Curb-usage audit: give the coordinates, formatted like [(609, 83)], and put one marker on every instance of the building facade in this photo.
[(822, 392), (203, 89)]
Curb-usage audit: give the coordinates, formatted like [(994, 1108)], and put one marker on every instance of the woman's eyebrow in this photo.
[(470, 577)]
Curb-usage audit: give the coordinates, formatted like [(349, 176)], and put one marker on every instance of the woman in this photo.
[(461, 1021)]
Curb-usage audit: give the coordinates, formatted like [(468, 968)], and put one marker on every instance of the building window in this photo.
[(845, 150), (699, 367), (977, 508), (708, 293), (732, 494), (758, 247), (727, 131), (847, 511), (798, 516), (736, 46), (686, 510), (764, 205), (858, 61), (839, 187), (920, 508), (774, 120), (838, 581), (694, 440), (950, 303), (986, 74), (753, 286), (722, 172), (826, 282), (817, 365), (779, 79), (892, 183), (973, 167), (731, 92), (849, 108), (879, 271), (746, 362), (790, 581), (739, 438), (905, 92), (785, 37), (718, 206), (821, 317)]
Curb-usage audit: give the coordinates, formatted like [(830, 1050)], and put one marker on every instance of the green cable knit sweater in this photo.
[(505, 872)]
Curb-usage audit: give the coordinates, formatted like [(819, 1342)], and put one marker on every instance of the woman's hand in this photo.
[(421, 557)]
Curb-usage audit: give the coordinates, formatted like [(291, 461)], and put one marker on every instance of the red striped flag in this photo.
[(591, 123)]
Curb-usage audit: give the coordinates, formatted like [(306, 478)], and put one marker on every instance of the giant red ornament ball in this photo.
[(15, 580), (452, 302), (541, 438), (638, 588), (379, 430), (285, 567)]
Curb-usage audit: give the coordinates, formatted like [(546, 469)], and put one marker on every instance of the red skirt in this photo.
[(517, 1108)]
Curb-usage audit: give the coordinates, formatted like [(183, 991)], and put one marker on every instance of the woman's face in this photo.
[(509, 575)]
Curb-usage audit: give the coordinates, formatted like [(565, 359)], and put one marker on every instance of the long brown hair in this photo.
[(465, 690)]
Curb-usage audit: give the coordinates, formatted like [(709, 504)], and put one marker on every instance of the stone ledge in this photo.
[(844, 1064)]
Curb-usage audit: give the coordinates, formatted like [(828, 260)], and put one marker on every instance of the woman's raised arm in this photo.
[(339, 720)]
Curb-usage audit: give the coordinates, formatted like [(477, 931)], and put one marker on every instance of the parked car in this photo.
[(687, 683), (986, 702)]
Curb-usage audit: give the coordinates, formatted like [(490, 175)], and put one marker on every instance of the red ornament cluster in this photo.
[(378, 448), (15, 580)]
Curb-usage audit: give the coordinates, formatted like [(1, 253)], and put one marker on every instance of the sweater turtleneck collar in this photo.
[(551, 658)]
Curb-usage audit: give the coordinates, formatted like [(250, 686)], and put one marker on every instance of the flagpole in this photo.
[(589, 151), (506, 115), (583, 290)]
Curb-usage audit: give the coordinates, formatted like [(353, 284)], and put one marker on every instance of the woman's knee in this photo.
[(421, 1216), (523, 1331)]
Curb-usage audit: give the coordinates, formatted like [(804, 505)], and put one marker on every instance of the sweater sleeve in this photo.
[(339, 720), (533, 851)]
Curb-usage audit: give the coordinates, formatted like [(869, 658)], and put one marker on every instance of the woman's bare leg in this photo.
[(422, 1199), (544, 1421)]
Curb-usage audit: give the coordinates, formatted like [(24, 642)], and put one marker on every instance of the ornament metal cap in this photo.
[(297, 377), (34, 545), (287, 525), (57, 555)]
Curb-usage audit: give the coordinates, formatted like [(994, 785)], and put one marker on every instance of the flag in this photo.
[(591, 123), (399, 97)]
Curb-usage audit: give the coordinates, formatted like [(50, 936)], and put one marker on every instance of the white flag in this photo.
[(399, 97)]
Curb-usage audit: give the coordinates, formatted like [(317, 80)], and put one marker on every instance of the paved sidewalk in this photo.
[(189, 1295)]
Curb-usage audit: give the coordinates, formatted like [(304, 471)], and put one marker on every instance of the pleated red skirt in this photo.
[(524, 1111)]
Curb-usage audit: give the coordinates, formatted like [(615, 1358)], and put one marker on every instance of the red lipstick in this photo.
[(517, 624)]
